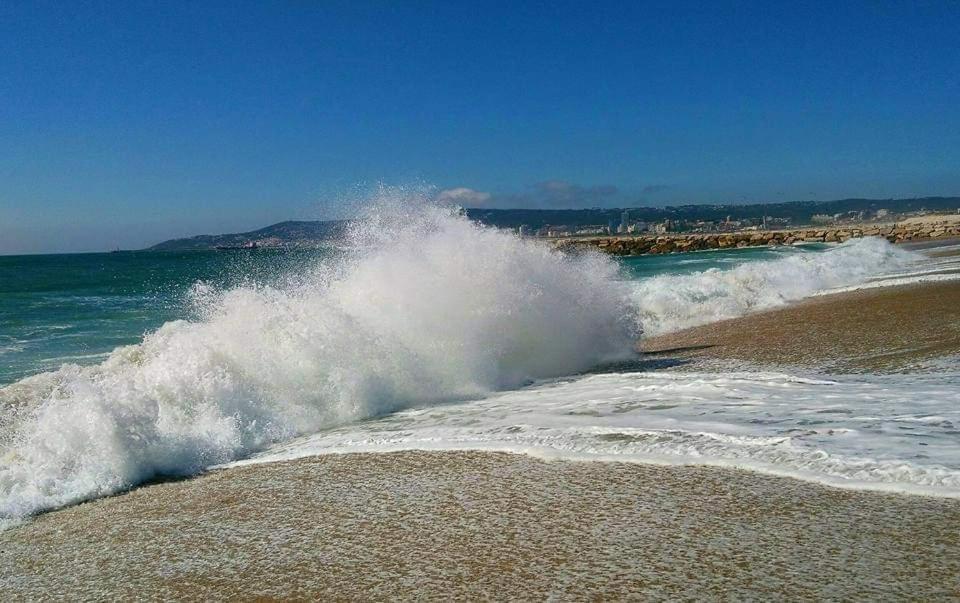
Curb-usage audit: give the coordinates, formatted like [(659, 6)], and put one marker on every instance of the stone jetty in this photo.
[(929, 227)]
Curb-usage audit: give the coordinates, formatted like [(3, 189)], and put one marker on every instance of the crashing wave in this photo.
[(423, 306)]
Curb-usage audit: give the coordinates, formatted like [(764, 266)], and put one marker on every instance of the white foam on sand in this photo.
[(897, 433)]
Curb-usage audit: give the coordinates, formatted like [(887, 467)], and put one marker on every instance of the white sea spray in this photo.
[(423, 306)]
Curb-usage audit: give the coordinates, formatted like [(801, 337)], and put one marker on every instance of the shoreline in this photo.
[(476, 525)]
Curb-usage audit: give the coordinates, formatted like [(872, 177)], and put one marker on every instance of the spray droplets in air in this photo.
[(418, 305)]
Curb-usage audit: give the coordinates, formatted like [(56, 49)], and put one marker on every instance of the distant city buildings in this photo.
[(592, 230), (731, 223), (852, 216)]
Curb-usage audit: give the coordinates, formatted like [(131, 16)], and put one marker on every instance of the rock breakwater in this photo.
[(948, 226)]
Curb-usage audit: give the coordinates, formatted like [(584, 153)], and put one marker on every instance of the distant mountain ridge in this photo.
[(312, 233), (282, 234)]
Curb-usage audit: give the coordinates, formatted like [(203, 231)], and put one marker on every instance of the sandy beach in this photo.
[(440, 526), (890, 329)]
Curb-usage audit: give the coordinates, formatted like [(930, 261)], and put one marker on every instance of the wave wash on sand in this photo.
[(424, 306)]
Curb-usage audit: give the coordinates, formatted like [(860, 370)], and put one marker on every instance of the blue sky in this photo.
[(128, 123)]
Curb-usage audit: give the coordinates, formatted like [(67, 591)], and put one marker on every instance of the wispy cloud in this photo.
[(653, 189), (549, 194), (560, 193), (552, 194), (465, 197)]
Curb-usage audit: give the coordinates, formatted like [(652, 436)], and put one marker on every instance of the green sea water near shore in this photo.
[(77, 308)]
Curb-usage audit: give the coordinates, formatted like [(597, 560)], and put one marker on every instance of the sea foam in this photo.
[(672, 302), (894, 433), (422, 306)]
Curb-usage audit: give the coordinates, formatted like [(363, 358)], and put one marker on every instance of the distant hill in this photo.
[(284, 234)]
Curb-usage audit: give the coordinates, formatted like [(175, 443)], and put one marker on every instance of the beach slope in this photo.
[(445, 525)]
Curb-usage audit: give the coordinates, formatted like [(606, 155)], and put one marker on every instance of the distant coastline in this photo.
[(635, 231)]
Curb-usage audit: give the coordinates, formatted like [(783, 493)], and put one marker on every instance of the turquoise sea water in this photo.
[(688, 263), (57, 309), (76, 308)]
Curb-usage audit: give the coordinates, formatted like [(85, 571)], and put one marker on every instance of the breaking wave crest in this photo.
[(668, 303), (422, 306)]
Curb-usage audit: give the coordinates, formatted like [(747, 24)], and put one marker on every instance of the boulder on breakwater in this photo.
[(679, 242)]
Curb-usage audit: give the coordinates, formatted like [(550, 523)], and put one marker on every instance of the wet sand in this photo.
[(443, 525), (891, 329)]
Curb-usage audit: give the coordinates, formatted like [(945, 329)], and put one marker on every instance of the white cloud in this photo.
[(465, 197), (563, 194)]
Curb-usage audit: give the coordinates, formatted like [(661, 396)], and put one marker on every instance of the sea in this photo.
[(423, 330)]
